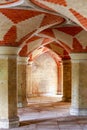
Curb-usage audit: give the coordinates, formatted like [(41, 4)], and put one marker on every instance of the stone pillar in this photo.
[(60, 79), (29, 79), (79, 84), (8, 87), (21, 81), (66, 80)]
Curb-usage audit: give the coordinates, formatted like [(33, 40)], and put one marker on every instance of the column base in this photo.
[(66, 99), (78, 111), (9, 123), (20, 104)]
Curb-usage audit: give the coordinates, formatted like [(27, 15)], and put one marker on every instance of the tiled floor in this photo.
[(49, 114), (41, 108)]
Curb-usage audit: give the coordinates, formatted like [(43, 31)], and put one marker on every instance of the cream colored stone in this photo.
[(30, 25), (79, 6), (79, 85), (21, 81), (66, 80), (22, 60), (34, 44), (57, 49), (5, 25), (9, 50), (64, 37), (43, 77), (61, 10), (29, 79), (82, 38), (9, 123), (60, 79), (8, 92), (78, 56)]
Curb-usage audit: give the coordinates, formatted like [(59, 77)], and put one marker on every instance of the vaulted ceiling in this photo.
[(39, 26)]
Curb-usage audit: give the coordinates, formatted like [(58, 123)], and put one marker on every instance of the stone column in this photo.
[(29, 79), (60, 79), (67, 80), (21, 81), (79, 84), (8, 87)]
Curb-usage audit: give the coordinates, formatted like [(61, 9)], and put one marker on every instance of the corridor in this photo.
[(43, 54), (49, 113)]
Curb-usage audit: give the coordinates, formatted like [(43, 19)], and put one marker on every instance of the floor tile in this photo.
[(48, 114)]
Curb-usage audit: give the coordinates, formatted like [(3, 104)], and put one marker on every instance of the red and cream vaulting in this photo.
[(30, 28)]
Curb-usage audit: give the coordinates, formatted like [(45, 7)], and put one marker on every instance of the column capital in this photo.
[(4, 50), (78, 57), (22, 60), (30, 62), (66, 61)]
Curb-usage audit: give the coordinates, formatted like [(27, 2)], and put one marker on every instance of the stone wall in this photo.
[(42, 76), (66, 80)]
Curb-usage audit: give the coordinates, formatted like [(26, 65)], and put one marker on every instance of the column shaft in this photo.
[(8, 87), (29, 80), (60, 79), (21, 81), (66, 80), (79, 84)]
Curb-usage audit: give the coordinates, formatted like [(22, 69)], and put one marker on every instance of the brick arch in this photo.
[(34, 43), (72, 38), (52, 53), (52, 47), (50, 34), (37, 43), (58, 49)]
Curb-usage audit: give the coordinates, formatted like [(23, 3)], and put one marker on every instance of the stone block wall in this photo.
[(42, 76), (66, 80)]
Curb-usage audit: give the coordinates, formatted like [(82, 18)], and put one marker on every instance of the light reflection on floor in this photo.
[(44, 108), (49, 113)]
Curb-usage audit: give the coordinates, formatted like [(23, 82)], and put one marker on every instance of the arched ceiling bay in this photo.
[(18, 25), (76, 10), (36, 53), (59, 50), (72, 38), (39, 45), (29, 28), (34, 43), (62, 40)]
